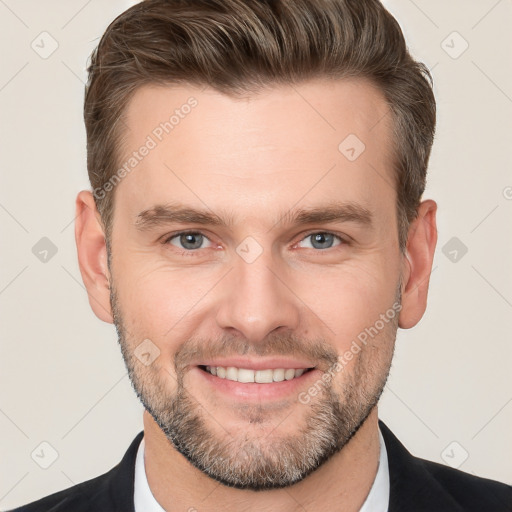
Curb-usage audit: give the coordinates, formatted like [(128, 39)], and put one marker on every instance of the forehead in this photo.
[(313, 142)]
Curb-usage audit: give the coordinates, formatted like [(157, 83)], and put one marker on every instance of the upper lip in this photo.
[(258, 364)]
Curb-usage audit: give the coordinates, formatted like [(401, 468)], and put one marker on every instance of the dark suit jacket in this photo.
[(416, 485)]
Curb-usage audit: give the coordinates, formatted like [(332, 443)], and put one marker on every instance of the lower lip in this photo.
[(254, 390)]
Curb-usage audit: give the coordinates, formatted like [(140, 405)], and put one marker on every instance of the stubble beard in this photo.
[(254, 461)]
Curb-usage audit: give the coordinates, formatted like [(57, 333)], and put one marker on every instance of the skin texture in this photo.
[(251, 161)]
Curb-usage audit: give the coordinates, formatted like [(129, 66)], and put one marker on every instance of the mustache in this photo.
[(319, 351)]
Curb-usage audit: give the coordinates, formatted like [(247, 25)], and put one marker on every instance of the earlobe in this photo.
[(92, 255), (417, 264)]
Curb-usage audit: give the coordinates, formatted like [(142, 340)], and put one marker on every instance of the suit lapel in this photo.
[(121, 479), (412, 487)]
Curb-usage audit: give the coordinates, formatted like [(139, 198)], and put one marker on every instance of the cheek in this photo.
[(347, 300), (160, 303)]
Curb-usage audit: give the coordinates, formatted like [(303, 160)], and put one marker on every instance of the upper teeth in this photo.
[(261, 376)]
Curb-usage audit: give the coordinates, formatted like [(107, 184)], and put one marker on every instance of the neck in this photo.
[(341, 483)]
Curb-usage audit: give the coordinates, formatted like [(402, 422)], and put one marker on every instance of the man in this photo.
[(256, 234)]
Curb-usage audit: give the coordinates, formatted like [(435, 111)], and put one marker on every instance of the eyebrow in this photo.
[(162, 214)]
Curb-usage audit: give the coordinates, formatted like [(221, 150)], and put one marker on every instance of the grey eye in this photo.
[(189, 241), (322, 240)]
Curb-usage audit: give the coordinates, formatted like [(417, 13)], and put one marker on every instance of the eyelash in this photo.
[(191, 252)]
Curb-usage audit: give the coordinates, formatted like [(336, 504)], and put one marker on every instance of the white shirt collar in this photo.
[(378, 497), (142, 496), (376, 501)]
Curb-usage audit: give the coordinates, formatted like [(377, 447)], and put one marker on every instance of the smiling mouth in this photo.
[(246, 375)]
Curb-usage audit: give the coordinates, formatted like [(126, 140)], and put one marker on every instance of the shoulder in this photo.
[(424, 486), (78, 498), (112, 491), (470, 492)]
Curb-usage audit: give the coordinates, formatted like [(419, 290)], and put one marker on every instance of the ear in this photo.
[(417, 264), (92, 255)]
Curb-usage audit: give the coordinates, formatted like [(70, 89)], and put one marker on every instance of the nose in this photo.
[(257, 300)]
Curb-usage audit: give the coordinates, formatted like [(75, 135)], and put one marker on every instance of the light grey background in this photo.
[(62, 378)]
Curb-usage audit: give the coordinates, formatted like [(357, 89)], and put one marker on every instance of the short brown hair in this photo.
[(241, 46)]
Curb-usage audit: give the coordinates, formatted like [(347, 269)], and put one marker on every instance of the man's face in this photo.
[(255, 283)]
